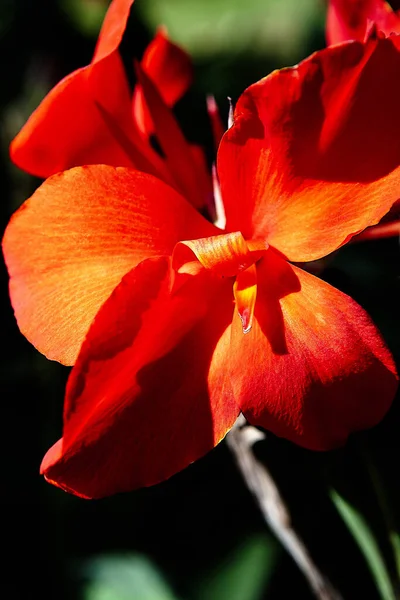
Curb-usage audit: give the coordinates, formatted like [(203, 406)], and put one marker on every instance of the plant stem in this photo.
[(274, 510)]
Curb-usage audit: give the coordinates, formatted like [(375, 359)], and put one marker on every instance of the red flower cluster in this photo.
[(173, 325)]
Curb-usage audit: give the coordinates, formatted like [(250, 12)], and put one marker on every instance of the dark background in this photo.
[(199, 535)]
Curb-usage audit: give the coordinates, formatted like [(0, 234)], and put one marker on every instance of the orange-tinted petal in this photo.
[(350, 19), (226, 255), (245, 292), (223, 254), (68, 129), (313, 368), (313, 156), (190, 177), (148, 394), (170, 69), (70, 244)]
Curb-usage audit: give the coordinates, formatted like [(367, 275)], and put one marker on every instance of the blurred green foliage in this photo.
[(125, 577), (255, 27), (242, 575), (86, 15), (367, 543)]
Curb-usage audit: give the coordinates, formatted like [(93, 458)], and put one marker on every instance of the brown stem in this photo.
[(275, 512)]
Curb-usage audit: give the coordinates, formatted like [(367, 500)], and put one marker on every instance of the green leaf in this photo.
[(365, 539), (245, 574), (395, 541), (123, 577)]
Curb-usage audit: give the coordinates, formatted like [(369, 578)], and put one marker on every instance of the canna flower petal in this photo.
[(314, 367), (311, 159), (190, 176), (171, 71), (113, 28), (72, 242), (350, 19), (225, 255), (149, 393), (389, 226), (245, 292), (67, 129), (217, 125)]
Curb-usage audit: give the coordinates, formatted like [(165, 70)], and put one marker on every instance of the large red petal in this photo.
[(68, 128), (170, 69), (313, 156), (70, 244), (148, 394), (315, 367), (350, 19)]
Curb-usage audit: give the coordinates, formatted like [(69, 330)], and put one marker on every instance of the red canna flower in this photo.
[(351, 19), (91, 116), (175, 326)]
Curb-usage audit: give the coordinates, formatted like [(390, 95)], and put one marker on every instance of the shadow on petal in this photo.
[(276, 279), (149, 393)]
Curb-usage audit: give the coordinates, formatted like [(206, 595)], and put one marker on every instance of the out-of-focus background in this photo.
[(198, 536)]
